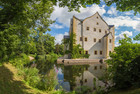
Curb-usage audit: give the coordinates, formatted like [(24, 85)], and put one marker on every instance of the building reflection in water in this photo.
[(73, 76)]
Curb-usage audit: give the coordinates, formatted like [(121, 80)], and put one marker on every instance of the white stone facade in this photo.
[(97, 37)]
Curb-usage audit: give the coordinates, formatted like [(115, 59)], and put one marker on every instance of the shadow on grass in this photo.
[(9, 85)]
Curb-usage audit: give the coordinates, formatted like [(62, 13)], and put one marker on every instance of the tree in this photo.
[(121, 65), (125, 5), (137, 37), (49, 43), (17, 19), (59, 48)]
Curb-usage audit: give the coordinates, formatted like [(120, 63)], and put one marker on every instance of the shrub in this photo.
[(51, 57), (30, 76), (20, 60), (83, 90), (48, 82)]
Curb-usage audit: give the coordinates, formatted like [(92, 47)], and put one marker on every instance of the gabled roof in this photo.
[(110, 26)]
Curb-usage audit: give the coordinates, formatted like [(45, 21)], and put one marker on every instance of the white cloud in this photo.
[(57, 26), (63, 16), (59, 37), (129, 13), (122, 21), (66, 33), (112, 11), (121, 36), (138, 27), (117, 44)]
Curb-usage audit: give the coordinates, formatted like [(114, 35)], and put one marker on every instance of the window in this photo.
[(95, 68), (97, 17), (86, 52), (105, 32), (85, 80), (79, 52), (110, 40), (100, 30), (85, 38), (99, 40), (100, 66), (87, 28), (97, 23), (101, 52), (95, 52), (94, 29), (81, 38), (94, 39)]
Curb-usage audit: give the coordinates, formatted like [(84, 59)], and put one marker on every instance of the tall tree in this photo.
[(49, 43), (17, 19)]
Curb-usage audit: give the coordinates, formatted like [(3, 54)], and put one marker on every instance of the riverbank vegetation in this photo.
[(23, 27)]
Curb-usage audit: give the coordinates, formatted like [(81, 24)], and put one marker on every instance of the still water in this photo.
[(71, 77)]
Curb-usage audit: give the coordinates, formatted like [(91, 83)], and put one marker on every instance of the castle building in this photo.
[(94, 35)]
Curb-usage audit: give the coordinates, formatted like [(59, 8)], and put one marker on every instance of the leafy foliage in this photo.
[(30, 75), (75, 50), (17, 19), (137, 37), (125, 5), (59, 49), (48, 81), (121, 65), (20, 61)]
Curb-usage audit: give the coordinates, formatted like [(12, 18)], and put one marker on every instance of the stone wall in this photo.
[(105, 46)]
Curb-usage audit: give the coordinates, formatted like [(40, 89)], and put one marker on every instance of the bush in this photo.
[(48, 82), (20, 60), (30, 76), (51, 57), (83, 90)]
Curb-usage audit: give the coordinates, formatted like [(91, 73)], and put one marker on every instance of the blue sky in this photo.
[(125, 22)]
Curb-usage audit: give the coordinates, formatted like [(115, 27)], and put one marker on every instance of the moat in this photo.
[(72, 77)]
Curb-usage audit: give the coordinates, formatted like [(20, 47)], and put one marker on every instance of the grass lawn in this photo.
[(134, 91), (10, 83)]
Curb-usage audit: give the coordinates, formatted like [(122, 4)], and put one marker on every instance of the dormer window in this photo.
[(87, 28)]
